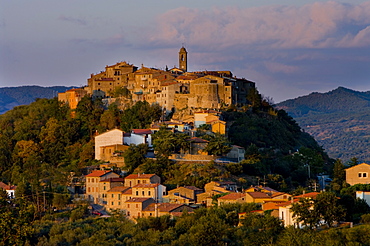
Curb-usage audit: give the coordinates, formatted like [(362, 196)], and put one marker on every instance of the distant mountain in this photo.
[(23, 95), (339, 120)]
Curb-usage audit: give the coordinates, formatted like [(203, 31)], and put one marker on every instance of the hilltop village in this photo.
[(173, 89), (175, 158)]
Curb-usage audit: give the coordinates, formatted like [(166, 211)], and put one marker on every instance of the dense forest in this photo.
[(339, 120), (41, 146)]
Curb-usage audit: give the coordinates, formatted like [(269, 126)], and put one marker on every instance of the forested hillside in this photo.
[(339, 120), (23, 95)]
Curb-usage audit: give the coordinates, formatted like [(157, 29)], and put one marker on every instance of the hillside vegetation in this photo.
[(339, 120)]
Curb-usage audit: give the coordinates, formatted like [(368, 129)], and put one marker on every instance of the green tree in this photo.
[(339, 176), (328, 207), (134, 156), (304, 212), (218, 144)]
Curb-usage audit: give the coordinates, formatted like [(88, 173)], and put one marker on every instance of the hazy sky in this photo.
[(289, 48)]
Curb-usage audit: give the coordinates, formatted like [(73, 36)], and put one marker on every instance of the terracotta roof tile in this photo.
[(139, 199), (141, 131), (119, 189), (145, 185), (258, 194), (98, 173), (232, 196), (140, 176)]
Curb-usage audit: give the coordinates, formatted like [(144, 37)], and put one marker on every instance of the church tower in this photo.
[(183, 59)]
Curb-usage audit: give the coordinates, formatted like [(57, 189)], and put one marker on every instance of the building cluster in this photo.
[(143, 195), (174, 88)]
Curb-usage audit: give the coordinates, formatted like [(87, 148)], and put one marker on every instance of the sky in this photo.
[(289, 48)]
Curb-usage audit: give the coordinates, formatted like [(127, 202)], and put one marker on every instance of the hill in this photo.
[(339, 120), (24, 95)]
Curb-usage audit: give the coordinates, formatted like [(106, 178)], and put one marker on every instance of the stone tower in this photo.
[(183, 59)]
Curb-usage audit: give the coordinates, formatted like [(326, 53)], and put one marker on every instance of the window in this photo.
[(137, 193), (112, 195), (149, 193), (119, 196), (112, 203), (104, 188), (119, 203), (88, 189), (128, 205), (137, 205), (362, 175), (143, 193)]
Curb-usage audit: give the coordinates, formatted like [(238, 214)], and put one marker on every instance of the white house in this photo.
[(365, 195), (118, 137), (10, 189), (111, 137), (139, 136)]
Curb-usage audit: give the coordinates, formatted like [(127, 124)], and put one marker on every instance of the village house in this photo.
[(72, 97), (117, 196), (99, 182), (141, 178), (135, 206), (285, 212), (231, 198), (155, 191), (9, 189), (358, 174), (215, 188), (184, 195)]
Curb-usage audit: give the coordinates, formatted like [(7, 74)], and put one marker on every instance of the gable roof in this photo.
[(163, 207), (257, 194), (232, 196), (7, 187), (141, 131), (146, 185), (308, 195), (139, 199), (119, 189), (98, 173), (358, 166), (140, 176)]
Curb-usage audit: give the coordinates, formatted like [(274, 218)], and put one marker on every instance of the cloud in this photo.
[(78, 21), (317, 25)]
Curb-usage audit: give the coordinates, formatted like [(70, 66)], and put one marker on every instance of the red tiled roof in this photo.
[(145, 185), (119, 189), (112, 180), (140, 176), (139, 199), (307, 195), (128, 191), (7, 187), (163, 207), (98, 173), (192, 188), (258, 194), (141, 131), (279, 194), (232, 196)]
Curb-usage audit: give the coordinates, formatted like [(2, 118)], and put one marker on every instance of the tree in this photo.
[(339, 176), (218, 144), (134, 156), (328, 207), (304, 212)]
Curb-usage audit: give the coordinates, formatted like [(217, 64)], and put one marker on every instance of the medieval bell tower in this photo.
[(183, 59)]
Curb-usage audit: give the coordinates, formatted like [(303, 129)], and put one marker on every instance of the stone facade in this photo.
[(175, 88)]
